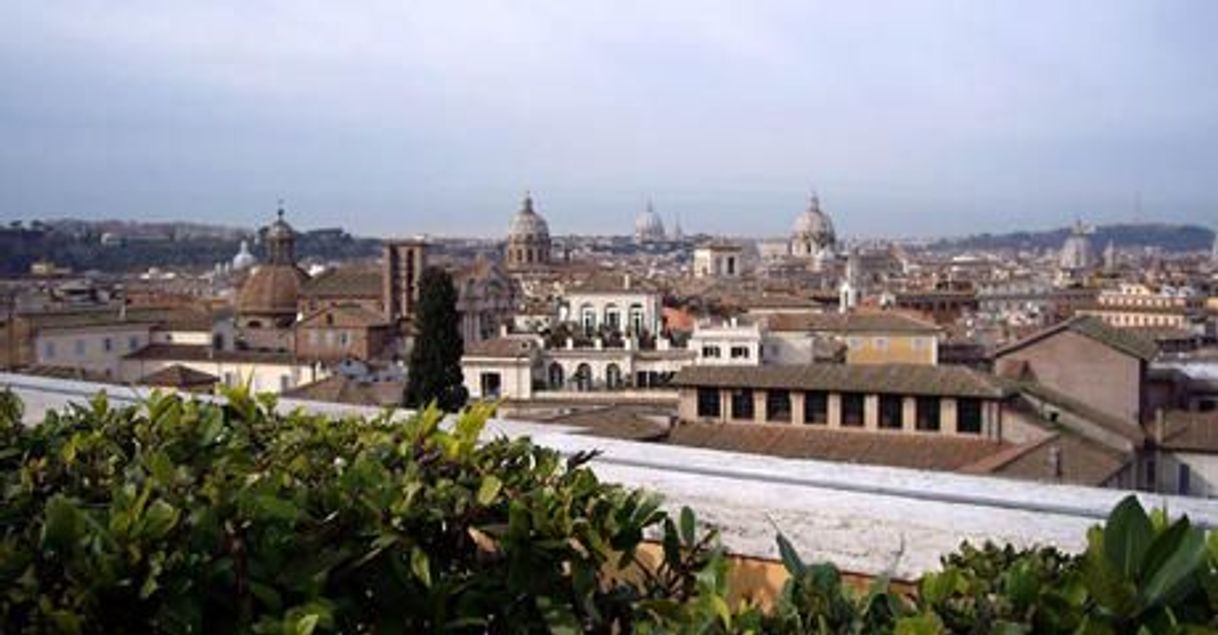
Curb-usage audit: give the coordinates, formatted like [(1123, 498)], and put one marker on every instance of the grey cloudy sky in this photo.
[(910, 117)]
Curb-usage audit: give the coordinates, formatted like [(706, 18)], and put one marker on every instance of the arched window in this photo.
[(613, 377), (555, 376), (587, 319), (636, 319), (583, 378), (613, 318)]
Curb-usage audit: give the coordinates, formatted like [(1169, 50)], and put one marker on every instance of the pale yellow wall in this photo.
[(891, 349)]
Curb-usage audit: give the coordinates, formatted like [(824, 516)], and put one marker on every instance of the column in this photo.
[(871, 412), (909, 414), (835, 410), (947, 415), (797, 407)]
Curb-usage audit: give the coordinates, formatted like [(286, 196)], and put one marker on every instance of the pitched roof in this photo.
[(858, 322), (618, 421), (200, 352), (357, 281), (343, 389), (919, 451), (507, 347), (179, 376), (1082, 461), (174, 317), (1190, 431), (904, 379), (343, 316), (1127, 429), (1126, 341)]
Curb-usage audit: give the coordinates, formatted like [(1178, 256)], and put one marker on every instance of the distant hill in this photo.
[(1165, 236)]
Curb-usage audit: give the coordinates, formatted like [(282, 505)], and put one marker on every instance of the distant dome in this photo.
[(528, 241), (648, 227), (528, 223), (814, 225), (1075, 253), (244, 259)]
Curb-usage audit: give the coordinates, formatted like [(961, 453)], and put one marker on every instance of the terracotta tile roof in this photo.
[(1190, 431), (859, 322), (1127, 341), (1083, 461), (343, 389), (174, 317), (640, 423), (179, 376), (196, 352), (1127, 429), (904, 379), (506, 347), (919, 451), (343, 316), (356, 281)]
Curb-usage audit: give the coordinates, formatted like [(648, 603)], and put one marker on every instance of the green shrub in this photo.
[(183, 516)]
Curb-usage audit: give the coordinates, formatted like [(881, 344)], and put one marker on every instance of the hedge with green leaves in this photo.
[(185, 516)]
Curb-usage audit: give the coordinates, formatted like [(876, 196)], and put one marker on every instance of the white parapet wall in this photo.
[(866, 519)]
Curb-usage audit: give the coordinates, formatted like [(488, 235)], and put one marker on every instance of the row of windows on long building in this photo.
[(891, 412)]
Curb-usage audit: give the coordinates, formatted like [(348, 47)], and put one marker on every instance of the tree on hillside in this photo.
[(435, 359)]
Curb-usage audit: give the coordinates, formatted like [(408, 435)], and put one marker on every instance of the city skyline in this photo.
[(435, 119)]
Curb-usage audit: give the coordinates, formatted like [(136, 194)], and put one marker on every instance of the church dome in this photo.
[(648, 227), (244, 259), (527, 225), (814, 225), (271, 290), (1076, 251)]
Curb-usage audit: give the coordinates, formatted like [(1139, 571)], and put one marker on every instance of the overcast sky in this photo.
[(909, 117)]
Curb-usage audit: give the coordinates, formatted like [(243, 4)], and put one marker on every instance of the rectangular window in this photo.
[(740, 352), (816, 407), (285, 382), (710, 351), (968, 416), (708, 403), (880, 343), (107, 344), (491, 384), (80, 348), (852, 409), (742, 404), (778, 405), (928, 414), (133, 343), (48, 350), (892, 412), (1183, 479)]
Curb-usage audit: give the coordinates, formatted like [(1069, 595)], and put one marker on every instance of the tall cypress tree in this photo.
[(435, 360)]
